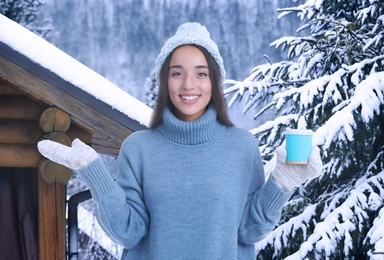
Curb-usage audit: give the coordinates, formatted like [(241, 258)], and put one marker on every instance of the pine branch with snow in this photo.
[(26, 13)]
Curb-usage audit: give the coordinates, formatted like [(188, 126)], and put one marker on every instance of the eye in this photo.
[(176, 74), (202, 74)]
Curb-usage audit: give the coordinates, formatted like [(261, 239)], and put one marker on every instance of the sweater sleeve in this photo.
[(121, 211), (263, 208)]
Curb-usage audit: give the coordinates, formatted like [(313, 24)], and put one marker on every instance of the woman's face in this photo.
[(189, 83)]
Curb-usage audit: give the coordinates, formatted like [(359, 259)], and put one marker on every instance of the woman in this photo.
[(192, 186)]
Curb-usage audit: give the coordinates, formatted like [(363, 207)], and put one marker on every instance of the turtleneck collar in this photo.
[(190, 133)]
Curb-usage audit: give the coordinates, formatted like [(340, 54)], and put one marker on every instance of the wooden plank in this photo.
[(19, 155), (8, 89), (19, 132), (106, 150), (80, 112), (104, 145), (51, 199), (19, 107)]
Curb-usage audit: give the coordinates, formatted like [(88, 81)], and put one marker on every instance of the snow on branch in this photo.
[(368, 97), (339, 224), (308, 9), (345, 213), (375, 236)]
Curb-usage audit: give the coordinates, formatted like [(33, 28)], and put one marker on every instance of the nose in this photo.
[(189, 83)]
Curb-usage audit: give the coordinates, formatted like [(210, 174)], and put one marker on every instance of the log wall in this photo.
[(24, 122)]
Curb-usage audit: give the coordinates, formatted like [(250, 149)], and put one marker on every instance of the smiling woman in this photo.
[(193, 185)]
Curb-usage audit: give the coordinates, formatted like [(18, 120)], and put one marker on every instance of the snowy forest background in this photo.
[(327, 75)]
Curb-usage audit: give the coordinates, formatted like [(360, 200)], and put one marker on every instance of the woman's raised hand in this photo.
[(76, 157)]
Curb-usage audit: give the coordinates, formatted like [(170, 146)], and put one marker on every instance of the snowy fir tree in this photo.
[(333, 83), (151, 89), (26, 13)]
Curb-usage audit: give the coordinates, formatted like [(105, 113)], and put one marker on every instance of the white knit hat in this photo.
[(190, 33)]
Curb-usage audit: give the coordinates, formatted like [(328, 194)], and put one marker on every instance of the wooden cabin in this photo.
[(36, 104)]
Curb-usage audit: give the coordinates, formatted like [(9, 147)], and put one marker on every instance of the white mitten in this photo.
[(290, 176), (76, 157)]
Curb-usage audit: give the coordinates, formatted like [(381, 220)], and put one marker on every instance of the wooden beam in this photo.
[(8, 89), (19, 132), (54, 119), (51, 199), (19, 107), (19, 155), (80, 112)]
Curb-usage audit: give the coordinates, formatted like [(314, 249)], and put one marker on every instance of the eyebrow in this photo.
[(197, 67)]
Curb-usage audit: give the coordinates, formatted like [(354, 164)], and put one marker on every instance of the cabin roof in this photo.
[(49, 76)]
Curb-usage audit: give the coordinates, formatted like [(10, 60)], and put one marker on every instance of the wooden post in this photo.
[(52, 188), (51, 220)]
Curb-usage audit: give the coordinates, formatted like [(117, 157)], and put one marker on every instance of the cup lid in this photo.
[(298, 131)]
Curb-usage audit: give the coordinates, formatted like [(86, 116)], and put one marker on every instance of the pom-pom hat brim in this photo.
[(190, 33)]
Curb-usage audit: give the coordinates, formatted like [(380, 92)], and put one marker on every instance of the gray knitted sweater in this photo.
[(187, 190)]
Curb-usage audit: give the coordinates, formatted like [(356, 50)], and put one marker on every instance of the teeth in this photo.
[(189, 97)]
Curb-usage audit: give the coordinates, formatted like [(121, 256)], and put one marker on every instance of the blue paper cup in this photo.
[(298, 145)]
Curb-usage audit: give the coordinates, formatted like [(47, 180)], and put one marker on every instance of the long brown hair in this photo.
[(217, 99)]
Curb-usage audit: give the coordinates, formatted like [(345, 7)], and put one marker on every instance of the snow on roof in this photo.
[(50, 57)]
